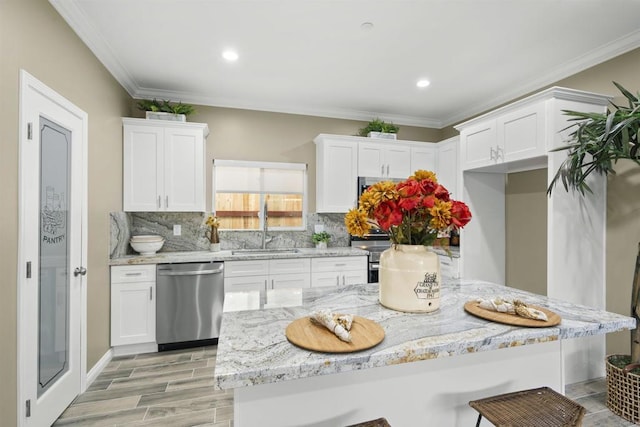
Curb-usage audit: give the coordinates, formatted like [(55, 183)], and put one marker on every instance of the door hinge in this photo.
[(28, 407), (29, 130), (28, 269)]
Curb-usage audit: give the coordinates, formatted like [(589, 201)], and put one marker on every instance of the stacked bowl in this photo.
[(146, 244)]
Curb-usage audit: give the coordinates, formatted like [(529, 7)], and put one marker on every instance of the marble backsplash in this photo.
[(192, 238)]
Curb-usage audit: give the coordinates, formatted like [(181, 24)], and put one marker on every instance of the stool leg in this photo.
[(479, 418)]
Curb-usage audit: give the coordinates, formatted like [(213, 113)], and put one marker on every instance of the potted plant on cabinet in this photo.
[(599, 141), (321, 239), (165, 110), (377, 128)]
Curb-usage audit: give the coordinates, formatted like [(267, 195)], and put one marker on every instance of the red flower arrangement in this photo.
[(411, 211)]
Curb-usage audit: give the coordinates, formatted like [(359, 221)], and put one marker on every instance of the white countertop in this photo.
[(206, 256), (253, 349)]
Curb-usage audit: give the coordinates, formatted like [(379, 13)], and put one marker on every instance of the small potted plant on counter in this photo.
[(165, 110), (377, 128), (320, 239)]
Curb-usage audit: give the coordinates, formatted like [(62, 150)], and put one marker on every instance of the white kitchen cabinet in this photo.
[(449, 267), (505, 138), (448, 169), (338, 271), (575, 224), (384, 160), (424, 157), (133, 308), (336, 173), (164, 166), (260, 275)]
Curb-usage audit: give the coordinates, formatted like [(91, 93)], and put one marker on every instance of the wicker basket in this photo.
[(623, 391)]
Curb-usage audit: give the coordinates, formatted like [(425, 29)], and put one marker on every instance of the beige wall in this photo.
[(35, 38), (526, 231)]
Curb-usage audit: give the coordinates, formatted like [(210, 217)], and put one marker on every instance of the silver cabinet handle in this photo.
[(337, 280), (341, 264), (382, 170), (387, 170), (166, 201), (272, 284), (343, 281), (133, 274), (265, 284), (491, 153), (150, 293), (499, 153), (159, 203)]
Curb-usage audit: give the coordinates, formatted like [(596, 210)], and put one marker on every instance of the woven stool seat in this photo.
[(538, 407), (380, 422)]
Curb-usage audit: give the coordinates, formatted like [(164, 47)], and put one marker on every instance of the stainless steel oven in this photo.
[(375, 243)]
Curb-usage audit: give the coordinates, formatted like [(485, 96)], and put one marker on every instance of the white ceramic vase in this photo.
[(321, 245), (214, 247), (409, 279)]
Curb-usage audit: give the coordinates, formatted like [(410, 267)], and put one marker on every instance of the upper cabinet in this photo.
[(341, 159), (447, 169), (512, 136), (384, 160), (164, 166), (336, 173)]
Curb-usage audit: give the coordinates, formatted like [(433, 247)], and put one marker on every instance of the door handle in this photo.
[(150, 293), (166, 201), (79, 271), (492, 154), (337, 280), (343, 282), (387, 170), (159, 203)]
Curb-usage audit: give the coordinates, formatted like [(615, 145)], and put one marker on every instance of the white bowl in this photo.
[(146, 238), (146, 248)]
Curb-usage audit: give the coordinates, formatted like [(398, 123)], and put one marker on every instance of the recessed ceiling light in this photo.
[(230, 55), (423, 83), (366, 26)]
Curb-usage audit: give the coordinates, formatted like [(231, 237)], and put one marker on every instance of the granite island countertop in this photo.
[(253, 349), (228, 255)]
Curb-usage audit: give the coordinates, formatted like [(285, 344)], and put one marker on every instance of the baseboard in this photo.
[(98, 368)]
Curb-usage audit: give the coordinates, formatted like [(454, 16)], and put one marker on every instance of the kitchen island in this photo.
[(424, 372)]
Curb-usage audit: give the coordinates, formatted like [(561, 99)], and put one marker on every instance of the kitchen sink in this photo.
[(264, 251)]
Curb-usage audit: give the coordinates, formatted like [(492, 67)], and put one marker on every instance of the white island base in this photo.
[(431, 392)]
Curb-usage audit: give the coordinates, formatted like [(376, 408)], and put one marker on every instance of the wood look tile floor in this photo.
[(175, 388)]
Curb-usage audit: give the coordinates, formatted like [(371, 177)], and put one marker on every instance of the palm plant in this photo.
[(599, 141)]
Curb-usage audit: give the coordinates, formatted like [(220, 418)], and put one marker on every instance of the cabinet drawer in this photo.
[(246, 283), (333, 264), (296, 280), (133, 273), (246, 268), (289, 265)]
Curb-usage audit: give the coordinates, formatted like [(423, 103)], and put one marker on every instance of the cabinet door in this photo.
[(397, 161), (143, 175), (356, 277), (184, 158), (521, 133), (336, 175), (133, 313), (423, 158), (448, 169), (371, 160), (478, 144), (325, 278), (245, 283), (297, 280)]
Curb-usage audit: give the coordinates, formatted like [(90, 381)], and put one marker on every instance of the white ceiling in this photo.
[(312, 56)]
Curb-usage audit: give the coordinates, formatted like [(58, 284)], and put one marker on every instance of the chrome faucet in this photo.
[(265, 217)]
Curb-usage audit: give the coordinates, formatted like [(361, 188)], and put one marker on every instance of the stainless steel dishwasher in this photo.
[(188, 304)]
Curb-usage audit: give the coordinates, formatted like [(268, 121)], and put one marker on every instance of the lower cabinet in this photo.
[(263, 274), (133, 307), (338, 271), (449, 267)]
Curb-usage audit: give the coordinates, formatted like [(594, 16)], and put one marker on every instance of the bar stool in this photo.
[(539, 407), (380, 422)]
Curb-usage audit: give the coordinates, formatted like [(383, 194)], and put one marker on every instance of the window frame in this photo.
[(264, 165)]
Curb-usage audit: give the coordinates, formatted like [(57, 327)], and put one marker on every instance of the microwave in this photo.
[(365, 181)]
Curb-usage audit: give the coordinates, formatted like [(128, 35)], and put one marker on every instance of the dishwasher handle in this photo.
[(188, 273)]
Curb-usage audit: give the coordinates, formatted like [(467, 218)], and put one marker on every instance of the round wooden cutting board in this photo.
[(365, 334), (513, 319)]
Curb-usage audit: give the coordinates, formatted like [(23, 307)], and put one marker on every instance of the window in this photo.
[(242, 190)]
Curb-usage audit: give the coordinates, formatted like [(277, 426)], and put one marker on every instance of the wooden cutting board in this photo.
[(365, 333), (513, 319)]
